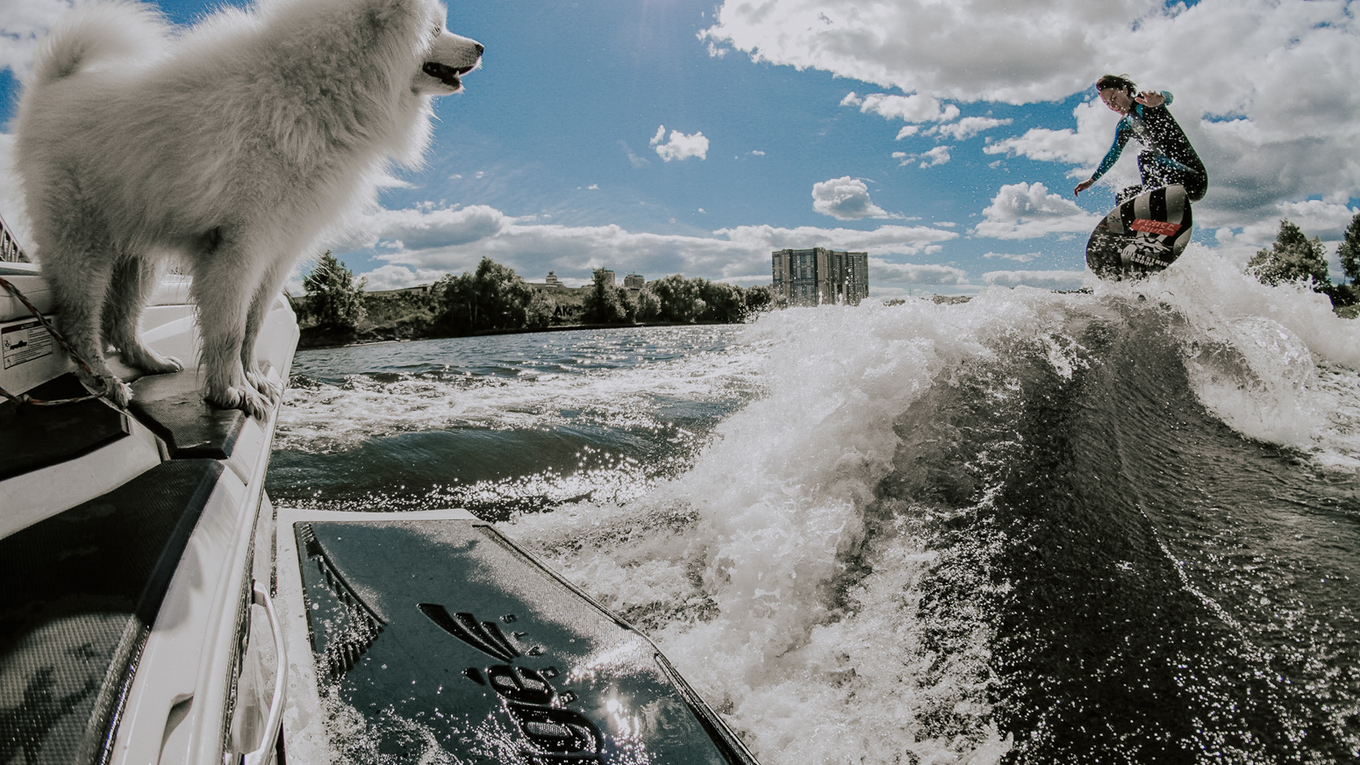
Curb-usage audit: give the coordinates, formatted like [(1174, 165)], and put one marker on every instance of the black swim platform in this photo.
[(170, 406), (82, 591)]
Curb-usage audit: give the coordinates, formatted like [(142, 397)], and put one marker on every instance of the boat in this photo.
[(161, 609)]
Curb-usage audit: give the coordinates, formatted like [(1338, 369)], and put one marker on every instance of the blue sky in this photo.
[(694, 137)]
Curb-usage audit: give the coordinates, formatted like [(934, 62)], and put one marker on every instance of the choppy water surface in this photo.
[(1110, 527)]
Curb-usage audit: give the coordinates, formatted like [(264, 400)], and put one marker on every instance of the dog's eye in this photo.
[(438, 30)]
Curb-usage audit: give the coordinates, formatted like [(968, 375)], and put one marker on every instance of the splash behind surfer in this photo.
[(1169, 157)]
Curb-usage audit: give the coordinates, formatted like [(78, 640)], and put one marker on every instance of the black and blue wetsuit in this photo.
[(1169, 158)]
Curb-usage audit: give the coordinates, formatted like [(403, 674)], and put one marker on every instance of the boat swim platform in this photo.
[(128, 544)]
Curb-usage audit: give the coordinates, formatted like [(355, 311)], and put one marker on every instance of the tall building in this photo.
[(820, 276), (634, 283)]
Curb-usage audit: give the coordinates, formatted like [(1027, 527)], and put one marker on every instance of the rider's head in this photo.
[(1117, 91)]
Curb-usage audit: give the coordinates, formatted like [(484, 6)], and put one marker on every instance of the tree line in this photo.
[(1296, 258), (494, 298)]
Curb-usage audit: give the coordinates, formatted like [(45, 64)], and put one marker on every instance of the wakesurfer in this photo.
[(1168, 159)]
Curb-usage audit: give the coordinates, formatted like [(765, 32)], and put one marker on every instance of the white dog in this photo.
[(236, 144)]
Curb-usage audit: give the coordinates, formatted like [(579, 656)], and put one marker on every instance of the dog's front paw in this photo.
[(270, 389), (149, 361), (109, 386), (243, 397), (164, 365)]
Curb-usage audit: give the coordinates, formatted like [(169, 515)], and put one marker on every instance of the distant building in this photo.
[(552, 282), (634, 283), (820, 276), (609, 279)]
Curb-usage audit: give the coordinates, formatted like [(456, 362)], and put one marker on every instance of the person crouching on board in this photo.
[(1169, 158)]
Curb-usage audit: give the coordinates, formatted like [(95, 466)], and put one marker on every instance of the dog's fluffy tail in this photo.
[(99, 32)]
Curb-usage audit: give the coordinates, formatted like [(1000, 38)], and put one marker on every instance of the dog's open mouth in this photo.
[(446, 74)]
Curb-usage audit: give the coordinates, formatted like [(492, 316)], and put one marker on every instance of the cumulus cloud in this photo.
[(882, 272), (912, 108), (1049, 280), (409, 241), (1027, 211), (415, 229), (845, 199), (936, 156), (22, 24), (1327, 220), (968, 127), (1022, 257), (679, 146), (1264, 88)]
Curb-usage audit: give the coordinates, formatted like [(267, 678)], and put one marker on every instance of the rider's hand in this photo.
[(1151, 98)]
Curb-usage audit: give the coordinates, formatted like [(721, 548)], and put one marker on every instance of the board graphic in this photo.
[(1142, 235)]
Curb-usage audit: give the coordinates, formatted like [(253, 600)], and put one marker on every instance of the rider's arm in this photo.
[(1121, 137)]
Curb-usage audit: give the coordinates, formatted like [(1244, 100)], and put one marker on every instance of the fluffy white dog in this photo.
[(235, 145)]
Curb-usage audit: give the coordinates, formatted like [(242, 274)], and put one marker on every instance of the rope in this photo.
[(104, 380)]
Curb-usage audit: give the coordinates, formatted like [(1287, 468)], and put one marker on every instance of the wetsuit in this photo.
[(1169, 158)]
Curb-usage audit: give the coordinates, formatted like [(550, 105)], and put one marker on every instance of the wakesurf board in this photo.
[(1143, 235), (432, 637)]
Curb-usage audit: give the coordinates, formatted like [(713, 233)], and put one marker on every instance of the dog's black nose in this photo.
[(480, 49)]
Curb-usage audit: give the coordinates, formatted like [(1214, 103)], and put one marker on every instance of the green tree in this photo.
[(1349, 251), (334, 300), (648, 306), (540, 311), (1293, 258), (602, 304), (493, 297), (723, 303), (679, 297), (759, 299)]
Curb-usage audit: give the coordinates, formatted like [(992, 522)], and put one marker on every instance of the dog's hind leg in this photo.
[(225, 280), (271, 284), (79, 272), (134, 279)]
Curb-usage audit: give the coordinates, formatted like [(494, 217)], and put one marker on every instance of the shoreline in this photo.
[(306, 343)]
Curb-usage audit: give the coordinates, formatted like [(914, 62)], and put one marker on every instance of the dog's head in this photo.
[(447, 58)]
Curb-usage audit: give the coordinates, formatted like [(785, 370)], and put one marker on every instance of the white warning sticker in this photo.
[(24, 341)]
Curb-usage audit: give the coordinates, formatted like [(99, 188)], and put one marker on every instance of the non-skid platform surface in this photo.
[(81, 590)]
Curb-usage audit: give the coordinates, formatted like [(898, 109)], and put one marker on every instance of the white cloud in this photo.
[(437, 241), (936, 156), (390, 277), (968, 127), (414, 230), (22, 23), (883, 273), (1316, 217), (1027, 211), (679, 146), (1264, 88), (845, 199), (1051, 280), (1025, 257), (912, 108)]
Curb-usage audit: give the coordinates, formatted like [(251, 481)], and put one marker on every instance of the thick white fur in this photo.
[(235, 145)]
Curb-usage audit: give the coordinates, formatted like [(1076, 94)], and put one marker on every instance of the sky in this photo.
[(943, 137)]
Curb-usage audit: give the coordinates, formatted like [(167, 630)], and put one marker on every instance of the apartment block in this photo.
[(820, 276)]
